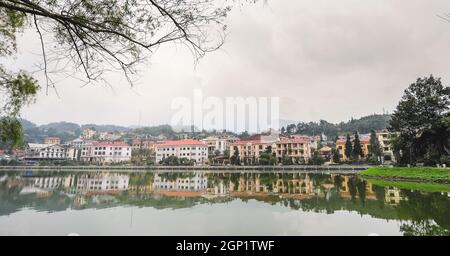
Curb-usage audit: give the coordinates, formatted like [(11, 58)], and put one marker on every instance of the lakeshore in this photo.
[(229, 168), (415, 174), (383, 174)]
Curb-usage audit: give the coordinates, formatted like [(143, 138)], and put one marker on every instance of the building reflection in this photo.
[(102, 183), (104, 188), (393, 196), (180, 185)]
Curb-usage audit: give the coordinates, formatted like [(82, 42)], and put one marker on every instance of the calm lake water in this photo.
[(199, 203)]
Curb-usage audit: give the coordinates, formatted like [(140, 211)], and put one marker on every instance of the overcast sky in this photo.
[(325, 59)]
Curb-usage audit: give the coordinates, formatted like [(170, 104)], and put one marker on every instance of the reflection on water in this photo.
[(305, 197)]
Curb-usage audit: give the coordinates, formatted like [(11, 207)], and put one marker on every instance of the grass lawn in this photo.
[(426, 173)]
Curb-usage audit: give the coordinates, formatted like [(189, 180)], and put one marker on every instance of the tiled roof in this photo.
[(110, 144), (295, 140), (246, 142), (188, 142)]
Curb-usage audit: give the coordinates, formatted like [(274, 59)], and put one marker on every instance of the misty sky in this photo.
[(325, 59)]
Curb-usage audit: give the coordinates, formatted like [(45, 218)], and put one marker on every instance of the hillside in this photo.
[(362, 125), (69, 131)]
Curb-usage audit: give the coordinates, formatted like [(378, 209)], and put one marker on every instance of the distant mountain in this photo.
[(165, 130), (36, 134), (27, 124), (62, 127), (107, 128)]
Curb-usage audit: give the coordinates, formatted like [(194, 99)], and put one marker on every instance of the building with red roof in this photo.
[(188, 148), (340, 146), (298, 149)]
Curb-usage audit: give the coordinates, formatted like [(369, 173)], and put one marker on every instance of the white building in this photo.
[(45, 152), (106, 152), (219, 143), (88, 133), (73, 153), (77, 143), (49, 182), (190, 149), (103, 182), (384, 137), (198, 182)]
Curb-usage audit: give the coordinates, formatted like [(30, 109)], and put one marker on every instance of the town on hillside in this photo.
[(197, 149)]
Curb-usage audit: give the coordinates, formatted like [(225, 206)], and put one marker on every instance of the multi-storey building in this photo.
[(385, 137), (219, 143), (106, 152), (144, 144), (190, 149), (249, 151), (299, 150), (77, 143), (52, 140), (88, 133), (340, 146), (45, 152)]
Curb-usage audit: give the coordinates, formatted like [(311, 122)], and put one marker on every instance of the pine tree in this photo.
[(336, 158), (348, 147), (357, 149), (374, 147)]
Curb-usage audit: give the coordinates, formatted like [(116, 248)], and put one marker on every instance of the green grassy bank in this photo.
[(416, 173), (420, 186)]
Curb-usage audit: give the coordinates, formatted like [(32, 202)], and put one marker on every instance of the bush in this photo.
[(445, 160)]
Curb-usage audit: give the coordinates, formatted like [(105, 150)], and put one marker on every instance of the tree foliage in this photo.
[(422, 119), (335, 155), (357, 148), (235, 159), (91, 39), (175, 161), (362, 125), (316, 159), (375, 151), (94, 37), (267, 159), (348, 147)]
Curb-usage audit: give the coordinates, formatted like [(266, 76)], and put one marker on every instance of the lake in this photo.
[(212, 203)]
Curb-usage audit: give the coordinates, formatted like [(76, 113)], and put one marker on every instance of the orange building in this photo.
[(52, 140), (340, 146)]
